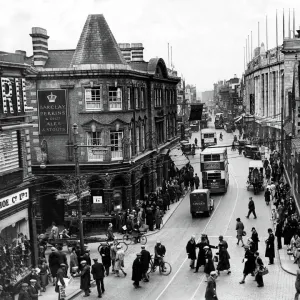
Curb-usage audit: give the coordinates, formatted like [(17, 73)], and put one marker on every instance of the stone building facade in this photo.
[(125, 111)]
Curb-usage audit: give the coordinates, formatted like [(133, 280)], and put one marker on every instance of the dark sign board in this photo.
[(212, 166), (196, 112), (13, 100), (52, 112)]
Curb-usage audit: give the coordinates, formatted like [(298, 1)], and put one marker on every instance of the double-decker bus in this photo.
[(214, 169), (208, 137), (219, 122)]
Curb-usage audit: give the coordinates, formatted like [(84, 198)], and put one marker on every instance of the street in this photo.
[(182, 283)]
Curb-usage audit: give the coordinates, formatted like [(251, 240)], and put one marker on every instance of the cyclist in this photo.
[(221, 136), (160, 252), (233, 146)]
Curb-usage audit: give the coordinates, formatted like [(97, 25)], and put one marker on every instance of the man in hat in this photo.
[(106, 259), (60, 285), (160, 251), (239, 231), (85, 278), (211, 288), (145, 261), (137, 271), (53, 263), (33, 290), (23, 295), (251, 207), (98, 272), (270, 247), (120, 261)]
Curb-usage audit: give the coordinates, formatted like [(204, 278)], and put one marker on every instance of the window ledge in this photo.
[(103, 111)]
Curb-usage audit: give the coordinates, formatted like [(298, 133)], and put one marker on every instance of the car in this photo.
[(252, 152)]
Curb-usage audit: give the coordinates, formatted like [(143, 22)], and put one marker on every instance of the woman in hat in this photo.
[(44, 271), (120, 261), (211, 288), (249, 263), (209, 264), (255, 239), (137, 271), (191, 251)]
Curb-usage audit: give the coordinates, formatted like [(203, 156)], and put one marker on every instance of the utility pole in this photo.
[(282, 132), (78, 192)]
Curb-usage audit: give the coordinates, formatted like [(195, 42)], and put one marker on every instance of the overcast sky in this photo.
[(207, 37)]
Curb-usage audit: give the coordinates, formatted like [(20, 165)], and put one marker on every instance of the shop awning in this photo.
[(179, 159), (13, 219)]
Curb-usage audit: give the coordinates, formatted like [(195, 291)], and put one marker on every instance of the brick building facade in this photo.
[(126, 116)]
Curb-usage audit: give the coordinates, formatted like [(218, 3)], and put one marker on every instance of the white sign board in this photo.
[(97, 199), (14, 199)]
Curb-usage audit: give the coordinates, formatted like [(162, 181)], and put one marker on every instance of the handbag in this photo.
[(216, 259), (244, 233), (263, 271)]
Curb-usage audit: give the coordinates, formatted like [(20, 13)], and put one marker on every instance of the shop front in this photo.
[(15, 247)]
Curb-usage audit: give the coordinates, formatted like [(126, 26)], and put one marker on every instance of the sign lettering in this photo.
[(52, 112), (14, 199), (211, 166), (13, 99)]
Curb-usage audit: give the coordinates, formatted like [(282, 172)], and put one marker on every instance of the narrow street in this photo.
[(182, 283)]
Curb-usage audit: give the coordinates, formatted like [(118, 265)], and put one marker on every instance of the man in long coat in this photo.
[(137, 271), (106, 259), (211, 292), (145, 260), (191, 251), (270, 248), (98, 272), (85, 279)]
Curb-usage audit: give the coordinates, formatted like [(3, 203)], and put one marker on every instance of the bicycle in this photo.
[(164, 267), (116, 243), (129, 238)]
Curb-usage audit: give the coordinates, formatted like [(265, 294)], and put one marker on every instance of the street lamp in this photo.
[(78, 192)]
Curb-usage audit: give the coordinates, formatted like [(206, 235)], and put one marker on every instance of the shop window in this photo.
[(116, 142), (94, 139), (115, 98), (93, 100), (9, 153)]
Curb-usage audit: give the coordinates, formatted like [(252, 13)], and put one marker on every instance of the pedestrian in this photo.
[(270, 248), (197, 181), (73, 261), (106, 259), (196, 142), (60, 285), (267, 196), (255, 239), (251, 207), (98, 273), (53, 263), (249, 261), (149, 218), (120, 261), (209, 264), (211, 288), (62, 257), (201, 253), (279, 233), (137, 271), (85, 278), (54, 232), (224, 256), (297, 285), (113, 253), (158, 218), (86, 257), (145, 261), (191, 251), (33, 290), (239, 231), (259, 267), (23, 295), (110, 233), (44, 271)]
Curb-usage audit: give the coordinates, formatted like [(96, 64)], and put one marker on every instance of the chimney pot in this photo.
[(40, 46)]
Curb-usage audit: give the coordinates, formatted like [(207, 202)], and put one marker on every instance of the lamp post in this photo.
[(78, 192)]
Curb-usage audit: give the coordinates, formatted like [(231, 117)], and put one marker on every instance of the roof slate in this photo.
[(59, 58), (97, 44)]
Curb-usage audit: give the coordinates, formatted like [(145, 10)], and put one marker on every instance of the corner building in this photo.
[(126, 116)]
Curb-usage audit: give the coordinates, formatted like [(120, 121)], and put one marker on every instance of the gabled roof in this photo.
[(97, 44)]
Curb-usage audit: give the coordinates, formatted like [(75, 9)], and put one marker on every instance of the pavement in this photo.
[(72, 290)]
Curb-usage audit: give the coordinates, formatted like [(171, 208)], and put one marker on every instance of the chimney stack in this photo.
[(132, 52), (40, 46)]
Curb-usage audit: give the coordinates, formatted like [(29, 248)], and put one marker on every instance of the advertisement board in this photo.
[(52, 107)]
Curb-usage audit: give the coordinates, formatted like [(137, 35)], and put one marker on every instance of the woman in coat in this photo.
[(137, 271), (278, 233), (209, 264), (211, 293), (259, 266), (73, 261), (53, 263), (106, 260), (267, 196), (255, 239), (270, 249), (224, 257), (44, 271), (191, 251), (249, 260)]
